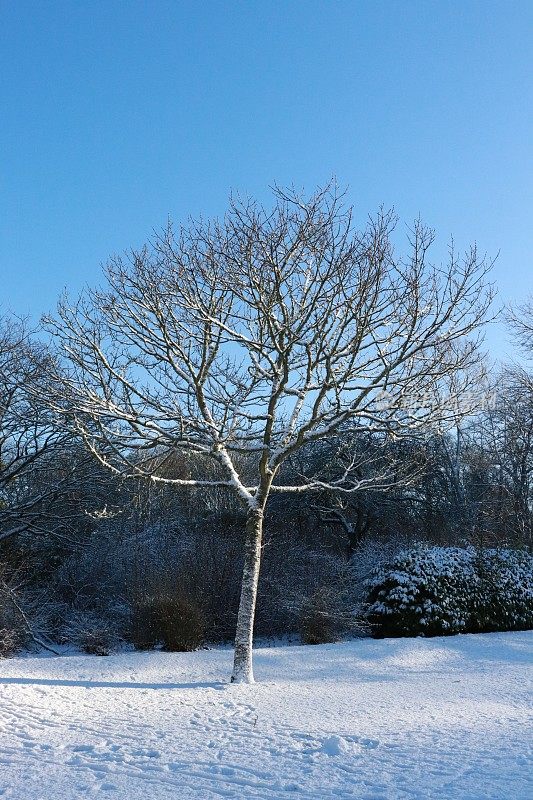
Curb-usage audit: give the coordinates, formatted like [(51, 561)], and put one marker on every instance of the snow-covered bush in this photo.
[(11, 642), (23, 615), (368, 557), (12, 632), (91, 633), (435, 591), (506, 601)]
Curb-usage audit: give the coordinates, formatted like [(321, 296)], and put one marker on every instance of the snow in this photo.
[(396, 719)]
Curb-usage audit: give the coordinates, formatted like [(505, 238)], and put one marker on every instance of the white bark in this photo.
[(242, 663)]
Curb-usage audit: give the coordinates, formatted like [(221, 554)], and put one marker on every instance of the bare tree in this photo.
[(245, 340), (520, 319), (507, 443), (42, 467)]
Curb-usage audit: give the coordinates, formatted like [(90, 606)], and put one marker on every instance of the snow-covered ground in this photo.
[(395, 719)]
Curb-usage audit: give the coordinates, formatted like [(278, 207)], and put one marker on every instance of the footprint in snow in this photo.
[(147, 753), (370, 744), (336, 745)]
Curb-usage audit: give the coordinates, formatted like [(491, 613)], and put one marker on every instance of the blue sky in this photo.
[(115, 115)]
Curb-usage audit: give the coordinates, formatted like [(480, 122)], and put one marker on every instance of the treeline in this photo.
[(91, 559)]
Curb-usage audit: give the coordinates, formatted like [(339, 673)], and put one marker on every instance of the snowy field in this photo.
[(392, 719)]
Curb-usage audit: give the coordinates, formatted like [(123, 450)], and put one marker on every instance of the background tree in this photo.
[(511, 442), (248, 339), (41, 465), (48, 482), (520, 320)]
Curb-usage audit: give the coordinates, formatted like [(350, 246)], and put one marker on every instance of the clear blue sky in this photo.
[(114, 115)]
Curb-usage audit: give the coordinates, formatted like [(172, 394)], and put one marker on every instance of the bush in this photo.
[(144, 632), (182, 624), (91, 633), (506, 581), (329, 614), (309, 592), (318, 623), (14, 634), (445, 590), (171, 620), (10, 642)]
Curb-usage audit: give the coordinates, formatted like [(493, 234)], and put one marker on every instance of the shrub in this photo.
[(172, 620), (329, 614), (91, 633), (445, 590), (14, 630), (318, 624), (182, 624), (506, 581), (10, 642), (144, 632)]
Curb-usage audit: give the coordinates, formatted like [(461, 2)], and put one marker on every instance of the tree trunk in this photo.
[(242, 664)]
